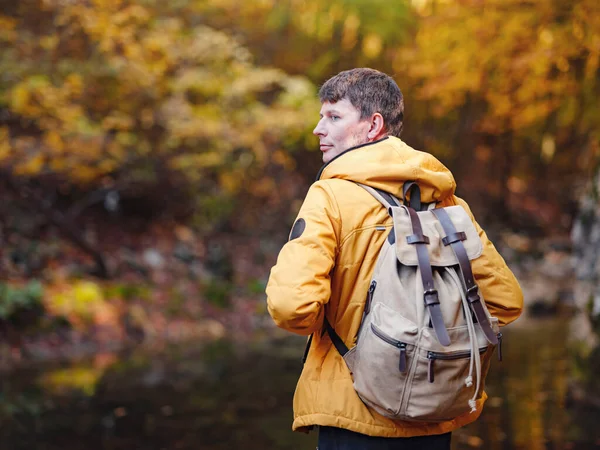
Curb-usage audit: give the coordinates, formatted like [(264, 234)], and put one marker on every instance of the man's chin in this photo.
[(328, 155)]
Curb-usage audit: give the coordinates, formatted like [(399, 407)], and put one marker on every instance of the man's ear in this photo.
[(377, 127)]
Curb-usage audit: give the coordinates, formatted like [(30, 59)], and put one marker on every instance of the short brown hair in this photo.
[(369, 91)]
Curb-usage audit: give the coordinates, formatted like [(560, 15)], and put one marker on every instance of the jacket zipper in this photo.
[(370, 296), (432, 356), (399, 344)]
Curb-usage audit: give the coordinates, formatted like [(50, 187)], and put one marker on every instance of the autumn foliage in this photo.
[(205, 96), (137, 94)]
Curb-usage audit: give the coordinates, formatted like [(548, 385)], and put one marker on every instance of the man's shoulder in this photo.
[(332, 184), (345, 200), (336, 190)]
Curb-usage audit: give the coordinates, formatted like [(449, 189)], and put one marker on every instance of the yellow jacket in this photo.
[(325, 269)]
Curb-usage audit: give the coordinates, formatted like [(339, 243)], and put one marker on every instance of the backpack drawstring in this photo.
[(475, 360), (475, 356)]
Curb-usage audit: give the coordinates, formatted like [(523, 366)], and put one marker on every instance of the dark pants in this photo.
[(340, 439)]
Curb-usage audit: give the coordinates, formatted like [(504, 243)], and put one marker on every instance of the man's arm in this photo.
[(498, 285), (299, 285)]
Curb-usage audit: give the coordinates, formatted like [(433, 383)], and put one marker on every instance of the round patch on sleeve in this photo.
[(297, 229)]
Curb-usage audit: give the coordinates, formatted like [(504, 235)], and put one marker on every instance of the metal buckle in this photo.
[(431, 293), (473, 294)]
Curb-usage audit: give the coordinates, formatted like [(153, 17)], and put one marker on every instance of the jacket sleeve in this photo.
[(299, 285), (498, 285)]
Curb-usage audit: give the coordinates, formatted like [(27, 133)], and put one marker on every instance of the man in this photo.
[(326, 267)]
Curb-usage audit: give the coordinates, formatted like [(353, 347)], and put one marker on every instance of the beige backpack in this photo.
[(426, 338)]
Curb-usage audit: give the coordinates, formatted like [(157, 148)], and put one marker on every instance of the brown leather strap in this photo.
[(455, 239), (430, 295), (415, 195)]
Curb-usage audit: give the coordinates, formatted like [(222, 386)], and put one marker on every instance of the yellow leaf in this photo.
[(74, 84), (474, 441), (49, 42), (350, 32), (62, 381), (372, 45), (32, 166), (53, 140), (85, 174), (5, 147), (58, 165), (20, 98), (7, 29), (230, 181)]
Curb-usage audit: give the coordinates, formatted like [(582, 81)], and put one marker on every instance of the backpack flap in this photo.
[(439, 254)]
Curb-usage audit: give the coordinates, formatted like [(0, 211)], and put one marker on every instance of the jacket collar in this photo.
[(346, 151)]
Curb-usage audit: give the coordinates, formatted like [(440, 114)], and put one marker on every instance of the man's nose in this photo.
[(319, 129)]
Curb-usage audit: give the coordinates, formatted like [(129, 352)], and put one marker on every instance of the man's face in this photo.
[(340, 128)]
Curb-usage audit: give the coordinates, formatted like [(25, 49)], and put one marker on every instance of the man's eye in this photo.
[(334, 118)]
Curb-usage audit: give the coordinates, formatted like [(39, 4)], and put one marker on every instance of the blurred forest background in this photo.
[(153, 156)]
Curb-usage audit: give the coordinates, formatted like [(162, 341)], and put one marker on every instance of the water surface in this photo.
[(226, 395)]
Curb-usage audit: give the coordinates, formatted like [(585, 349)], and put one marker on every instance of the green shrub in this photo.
[(218, 292), (16, 299)]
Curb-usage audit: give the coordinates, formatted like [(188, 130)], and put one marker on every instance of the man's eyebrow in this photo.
[(331, 111)]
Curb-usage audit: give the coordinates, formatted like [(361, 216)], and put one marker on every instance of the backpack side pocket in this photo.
[(383, 357)]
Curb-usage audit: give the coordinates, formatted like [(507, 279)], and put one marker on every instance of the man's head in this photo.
[(358, 106)]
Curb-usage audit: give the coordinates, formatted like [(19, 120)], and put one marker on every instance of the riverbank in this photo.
[(168, 283), (211, 294)]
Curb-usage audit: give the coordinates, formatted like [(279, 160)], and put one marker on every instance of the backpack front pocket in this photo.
[(434, 356), (439, 390), (381, 371), (398, 344)]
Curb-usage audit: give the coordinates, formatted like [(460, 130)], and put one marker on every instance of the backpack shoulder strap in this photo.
[(385, 198), (388, 200)]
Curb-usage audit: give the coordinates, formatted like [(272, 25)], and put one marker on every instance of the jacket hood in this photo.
[(387, 164)]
